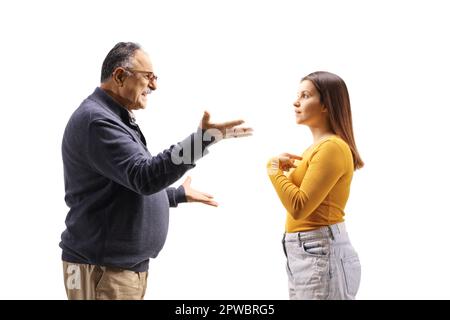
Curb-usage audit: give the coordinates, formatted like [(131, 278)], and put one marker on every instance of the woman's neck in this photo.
[(320, 133)]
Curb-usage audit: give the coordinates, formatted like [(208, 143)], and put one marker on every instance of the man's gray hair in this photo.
[(119, 56)]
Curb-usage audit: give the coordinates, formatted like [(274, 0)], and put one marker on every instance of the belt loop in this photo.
[(331, 232), (341, 227), (283, 243)]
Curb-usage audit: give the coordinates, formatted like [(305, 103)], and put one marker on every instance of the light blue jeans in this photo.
[(321, 264)]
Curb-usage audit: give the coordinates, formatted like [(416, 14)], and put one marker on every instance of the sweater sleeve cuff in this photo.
[(180, 195), (176, 196), (273, 167)]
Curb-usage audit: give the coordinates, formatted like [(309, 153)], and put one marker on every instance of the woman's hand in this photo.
[(286, 161)]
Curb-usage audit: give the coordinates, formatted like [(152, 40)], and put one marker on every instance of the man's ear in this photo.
[(119, 76)]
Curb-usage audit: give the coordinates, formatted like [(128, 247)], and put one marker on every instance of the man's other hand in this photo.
[(193, 195)]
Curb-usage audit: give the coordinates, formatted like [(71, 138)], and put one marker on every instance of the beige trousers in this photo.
[(90, 282)]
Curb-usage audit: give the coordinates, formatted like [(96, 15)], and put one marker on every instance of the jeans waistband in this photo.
[(333, 231)]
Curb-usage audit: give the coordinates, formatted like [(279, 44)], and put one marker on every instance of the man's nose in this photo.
[(152, 84)]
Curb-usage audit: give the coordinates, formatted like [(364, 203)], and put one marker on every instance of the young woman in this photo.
[(321, 262)]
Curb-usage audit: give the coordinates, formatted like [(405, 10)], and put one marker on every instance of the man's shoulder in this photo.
[(91, 110)]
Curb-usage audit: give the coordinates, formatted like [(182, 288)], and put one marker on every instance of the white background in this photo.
[(237, 59)]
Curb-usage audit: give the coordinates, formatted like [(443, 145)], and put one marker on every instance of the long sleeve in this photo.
[(176, 196), (114, 154), (326, 166)]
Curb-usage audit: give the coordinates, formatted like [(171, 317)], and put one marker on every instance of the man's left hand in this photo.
[(193, 195)]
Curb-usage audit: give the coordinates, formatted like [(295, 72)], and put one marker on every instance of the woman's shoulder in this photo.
[(334, 144), (328, 142), (333, 151), (339, 141)]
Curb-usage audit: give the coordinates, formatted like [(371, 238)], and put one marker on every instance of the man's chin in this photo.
[(140, 106)]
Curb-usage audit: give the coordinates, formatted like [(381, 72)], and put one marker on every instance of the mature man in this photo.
[(116, 190)]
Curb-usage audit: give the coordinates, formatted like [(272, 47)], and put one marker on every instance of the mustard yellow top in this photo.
[(315, 193)]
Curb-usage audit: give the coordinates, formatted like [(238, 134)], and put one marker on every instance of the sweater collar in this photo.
[(107, 101)]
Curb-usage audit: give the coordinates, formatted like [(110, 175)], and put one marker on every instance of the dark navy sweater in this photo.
[(116, 190)]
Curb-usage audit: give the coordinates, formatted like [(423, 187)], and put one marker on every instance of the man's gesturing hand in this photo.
[(193, 195), (227, 129)]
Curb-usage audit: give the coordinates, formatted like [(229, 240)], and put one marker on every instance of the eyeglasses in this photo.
[(150, 76)]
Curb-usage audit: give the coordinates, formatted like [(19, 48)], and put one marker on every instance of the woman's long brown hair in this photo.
[(334, 95)]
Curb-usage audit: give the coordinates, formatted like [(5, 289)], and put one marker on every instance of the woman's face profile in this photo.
[(308, 108)]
